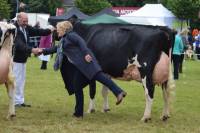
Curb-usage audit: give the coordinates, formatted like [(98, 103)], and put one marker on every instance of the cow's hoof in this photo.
[(11, 117), (91, 111), (146, 119), (106, 110), (165, 117)]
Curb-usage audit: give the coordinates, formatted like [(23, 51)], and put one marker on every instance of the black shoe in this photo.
[(80, 117), (120, 97), (22, 105), (43, 68)]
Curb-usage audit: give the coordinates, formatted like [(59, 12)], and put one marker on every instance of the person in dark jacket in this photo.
[(79, 61), (21, 52)]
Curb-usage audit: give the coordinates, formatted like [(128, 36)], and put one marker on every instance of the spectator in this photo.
[(176, 55), (197, 45), (45, 42), (21, 52), (184, 36)]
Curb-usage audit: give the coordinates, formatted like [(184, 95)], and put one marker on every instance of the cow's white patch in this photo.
[(91, 106), (105, 97), (144, 82), (149, 101), (147, 112), (145, 64), (136, 61)]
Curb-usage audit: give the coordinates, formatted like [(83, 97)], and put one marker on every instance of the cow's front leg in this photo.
[(105, 99), (149, 90), (91, 108), (10, 85)]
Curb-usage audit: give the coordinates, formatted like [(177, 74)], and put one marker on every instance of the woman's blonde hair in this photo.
[(65, 25), (184, 32)]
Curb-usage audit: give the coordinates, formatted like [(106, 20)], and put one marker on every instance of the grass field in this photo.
[(52, 108)]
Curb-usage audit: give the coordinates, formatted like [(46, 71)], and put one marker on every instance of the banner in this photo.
[(124, 10)]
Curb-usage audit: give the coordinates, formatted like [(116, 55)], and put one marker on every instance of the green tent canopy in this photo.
[(105, 19)]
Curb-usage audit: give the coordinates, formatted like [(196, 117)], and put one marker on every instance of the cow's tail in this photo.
[(170, 86)]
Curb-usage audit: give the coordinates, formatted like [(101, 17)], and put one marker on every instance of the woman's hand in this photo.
[(88, 58), (37, 51)]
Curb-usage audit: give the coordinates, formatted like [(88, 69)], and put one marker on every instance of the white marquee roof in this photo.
[(152, 10)]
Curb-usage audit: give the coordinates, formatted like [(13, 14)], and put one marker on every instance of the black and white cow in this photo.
[(7, 34), (133, 52)]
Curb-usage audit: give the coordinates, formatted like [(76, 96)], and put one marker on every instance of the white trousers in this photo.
[(19, 70)]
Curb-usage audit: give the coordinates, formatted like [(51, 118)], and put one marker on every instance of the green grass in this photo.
[(52, 108)]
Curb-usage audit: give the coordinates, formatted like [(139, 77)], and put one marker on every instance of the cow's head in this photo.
[(7, 31)]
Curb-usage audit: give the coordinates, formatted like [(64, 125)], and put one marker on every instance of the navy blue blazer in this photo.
[(75, 49), (21, 48)]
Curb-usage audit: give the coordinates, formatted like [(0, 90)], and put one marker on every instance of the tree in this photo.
[(37, 6), (126, 2), (137, 3), (184, 9), (43, 6), (14, 7), (92, 6), (5, 9), (52, 5)]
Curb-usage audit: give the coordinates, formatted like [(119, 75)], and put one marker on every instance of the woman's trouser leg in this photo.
[(80, 82), (181, 63), (176, 62), (44, 65), (92, 89), (102, 78)]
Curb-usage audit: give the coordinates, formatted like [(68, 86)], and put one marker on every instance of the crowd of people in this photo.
[(186, 46), (196, 42)]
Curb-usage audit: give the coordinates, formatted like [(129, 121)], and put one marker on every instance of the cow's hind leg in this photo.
[(105, 97), (92, 91), (149, 91), (165, 113), (168, 89), (10, 85)]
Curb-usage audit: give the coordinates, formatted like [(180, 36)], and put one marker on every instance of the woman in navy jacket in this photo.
[(79, 61)]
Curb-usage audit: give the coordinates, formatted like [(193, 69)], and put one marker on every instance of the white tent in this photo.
[(38, 17), (135, 20), (151, 14)]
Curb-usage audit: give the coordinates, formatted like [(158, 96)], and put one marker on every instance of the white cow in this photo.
[(7, 34)]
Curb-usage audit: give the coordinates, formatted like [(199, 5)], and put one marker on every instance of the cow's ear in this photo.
[(125, 29)]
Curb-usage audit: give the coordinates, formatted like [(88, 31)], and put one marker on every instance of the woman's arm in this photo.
[(48, 51), (77, 40)]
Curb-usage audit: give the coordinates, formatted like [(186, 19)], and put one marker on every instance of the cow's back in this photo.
[(115, 44)]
